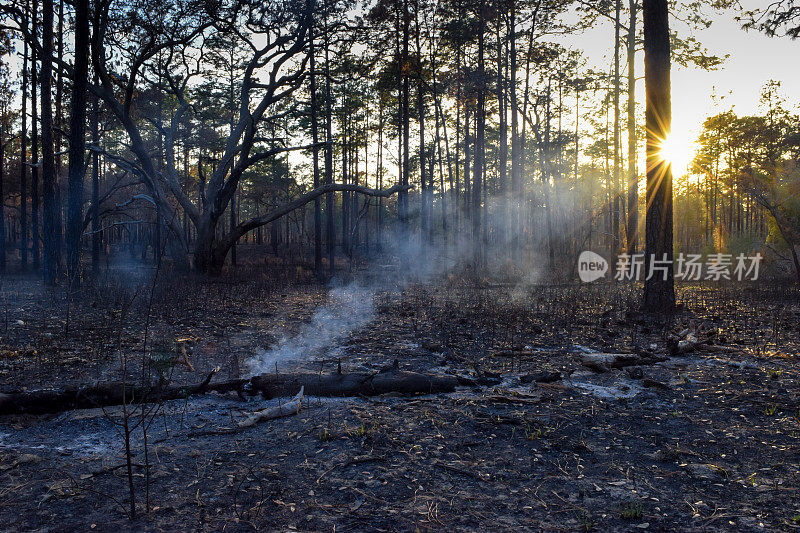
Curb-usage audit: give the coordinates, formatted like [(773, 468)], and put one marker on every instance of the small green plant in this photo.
[(795, 519), (325, 435), (585, 520), (532, 432), (361, 431), (631, 511), (770, 409)]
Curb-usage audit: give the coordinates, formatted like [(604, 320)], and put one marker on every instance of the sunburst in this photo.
[(677, 151)]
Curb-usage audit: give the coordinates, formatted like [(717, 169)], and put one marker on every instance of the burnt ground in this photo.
[(702, 441)]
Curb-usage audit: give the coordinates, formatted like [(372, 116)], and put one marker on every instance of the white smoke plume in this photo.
[(349, 308), (406, 259)]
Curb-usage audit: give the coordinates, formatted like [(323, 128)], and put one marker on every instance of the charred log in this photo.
[(602, 362), (357, 384), (390, 380), (99, 395)]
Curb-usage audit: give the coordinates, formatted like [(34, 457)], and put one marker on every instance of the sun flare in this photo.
[(678, 151)]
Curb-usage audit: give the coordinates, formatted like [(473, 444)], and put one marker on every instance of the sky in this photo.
[(754, 60)]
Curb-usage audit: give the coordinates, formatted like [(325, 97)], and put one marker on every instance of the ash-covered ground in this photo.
[(706, 440)]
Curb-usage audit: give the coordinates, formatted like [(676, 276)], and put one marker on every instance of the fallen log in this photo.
[(696, 339), (601, 362), (387, 380), (691, 343), (101, 395), (271, 413), (262, 415), (683, 343)]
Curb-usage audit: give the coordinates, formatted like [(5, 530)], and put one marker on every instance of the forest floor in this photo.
[(702, 441)]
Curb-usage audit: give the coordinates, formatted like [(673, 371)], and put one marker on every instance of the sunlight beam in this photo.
[(677, 151)]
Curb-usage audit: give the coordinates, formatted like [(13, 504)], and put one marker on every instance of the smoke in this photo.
[(407, 258), (349, 308)]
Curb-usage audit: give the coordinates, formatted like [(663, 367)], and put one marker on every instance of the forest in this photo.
[(399, 265)]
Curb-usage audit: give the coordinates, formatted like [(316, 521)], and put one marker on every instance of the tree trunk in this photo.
[(480, 139), (50, 208), (615, 220), (34, 150), (58, 121), (406, 119), (467, 163), (515, 148), (457, 149), (438, 122), (547, 176), (2, 204), (232, 219), (425, 186), (23, 156), (102, 395), (329, 205), (659, 291), (379, 228), (95, 186), (356, 384), (345, 176), (503, 141), (77, 142), (315, 142), (388, 380), (204, 247), (633, 181)]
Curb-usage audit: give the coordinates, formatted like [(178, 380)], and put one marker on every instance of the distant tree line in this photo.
[(183, 128)]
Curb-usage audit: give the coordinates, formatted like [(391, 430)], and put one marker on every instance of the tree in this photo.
[(748, 174), (231, 86), (659, 288), (158, 54), (405, 120), (77, 141), (615, 232), (478, 168), (779, 17), (685, 51), (34, 192), (330, 228), (51, 254), (95, 186), (315, 153), (23, 149), (6, 118), (632, 229)]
